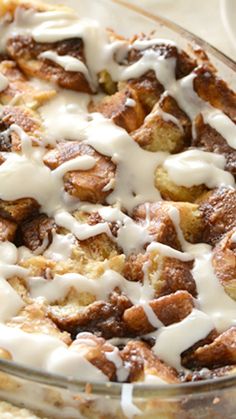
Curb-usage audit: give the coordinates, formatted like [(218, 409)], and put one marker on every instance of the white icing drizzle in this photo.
[(67, 62), (222, 124), (233, 237), (132, 187), (151, 316), (168, 118), (70, 362), (57, 288), (130, 102), (131, 237), (10, 301), (81, 231), (72, 116), (196, 167), (181, 336), (129, 409), (61, 247), (122, 371)]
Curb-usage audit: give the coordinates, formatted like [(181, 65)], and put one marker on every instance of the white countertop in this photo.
[(202, 17)]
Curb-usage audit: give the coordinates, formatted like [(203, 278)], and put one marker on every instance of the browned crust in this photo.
[(184, 64), (20, 89), (169, 309), (208, 139), (101, 318), (19, 209), (222, 351), (173, 274), (32, 233), (26, 119), (26, 52), (96, 354), (7, 229), (86, 185), (218, 209), (215, 91), (141, 360), (224, 263), (115, 108), (159, 134)]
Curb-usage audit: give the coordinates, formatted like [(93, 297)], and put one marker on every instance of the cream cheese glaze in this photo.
[(24, 174)]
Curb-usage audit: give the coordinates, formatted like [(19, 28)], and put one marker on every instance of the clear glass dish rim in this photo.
[(139, 390)]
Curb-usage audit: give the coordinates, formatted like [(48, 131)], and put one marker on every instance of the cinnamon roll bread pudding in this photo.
[(117, 203)]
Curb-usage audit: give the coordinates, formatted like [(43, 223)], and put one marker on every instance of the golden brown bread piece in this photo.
[(97, 248), (103, 318), (7, 229), (159, 133), (33, 319), (172, 192), (26, 52), (218, 210), (147, 88), (167, 275), (19, 209), (32, 233), (208, 139), (224, 262), (86, 185), (215, 91), (117, 109), (142, 361), (169, 309), (161, 226), (25, 118), (19, 90), (184, 64), (222, 351)]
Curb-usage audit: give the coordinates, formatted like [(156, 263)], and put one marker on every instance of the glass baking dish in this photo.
[(54, 396)]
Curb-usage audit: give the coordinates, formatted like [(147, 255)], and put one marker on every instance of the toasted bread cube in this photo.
[(123, 108), (168, 131), (220, 352), (103, 318), (33, 232), (18, 210), (19, 90), (170, 191), (218, 210), (224, 263), (25, 118), (169, 309), (161, 226), (143, 362), (208, 139), (215, 91), (147, 88), (89, 185), (7, 229), (26, 52)]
